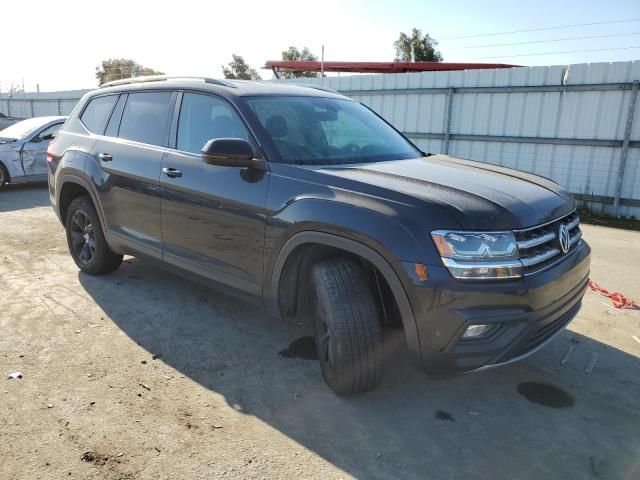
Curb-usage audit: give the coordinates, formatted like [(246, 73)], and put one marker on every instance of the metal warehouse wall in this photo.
[(522, 118)]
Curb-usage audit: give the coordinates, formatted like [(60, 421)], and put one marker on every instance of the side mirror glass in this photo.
[(229, 152)]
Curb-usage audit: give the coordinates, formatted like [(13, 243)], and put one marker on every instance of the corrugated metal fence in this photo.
[(27, 105), (584, 134)]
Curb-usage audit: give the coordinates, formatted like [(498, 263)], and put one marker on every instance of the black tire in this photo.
[(4, 176), (86, 239), (348, 326)]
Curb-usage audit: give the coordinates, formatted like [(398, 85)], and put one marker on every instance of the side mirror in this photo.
[(229, 152)]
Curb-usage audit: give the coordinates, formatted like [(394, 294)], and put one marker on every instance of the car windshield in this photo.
[(328, 131), (22, 129)]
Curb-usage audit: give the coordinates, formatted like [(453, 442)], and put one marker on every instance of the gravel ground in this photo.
[(139, 374)]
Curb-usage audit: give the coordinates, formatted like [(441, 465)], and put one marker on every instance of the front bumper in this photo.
[(526, 313)]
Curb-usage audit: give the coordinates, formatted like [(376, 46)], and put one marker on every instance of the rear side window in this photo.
[(145, 117), (96, 114), (202, 118)]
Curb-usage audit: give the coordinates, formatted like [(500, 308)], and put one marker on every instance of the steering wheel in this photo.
[(352, 149)]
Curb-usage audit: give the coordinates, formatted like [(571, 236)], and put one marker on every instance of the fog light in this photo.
[(475, 331)]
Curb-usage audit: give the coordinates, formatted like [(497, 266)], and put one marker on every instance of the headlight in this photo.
[(479, 255)]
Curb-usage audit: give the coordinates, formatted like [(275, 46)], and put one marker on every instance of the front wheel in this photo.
[(348, 326), (86, 240)]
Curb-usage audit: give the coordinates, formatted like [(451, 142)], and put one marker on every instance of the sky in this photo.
[(57, 45)]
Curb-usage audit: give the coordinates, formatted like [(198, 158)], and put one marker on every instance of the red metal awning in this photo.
[(377, 67)]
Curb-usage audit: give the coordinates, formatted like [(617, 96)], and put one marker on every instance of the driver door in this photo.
[(34, 153), (212, 216)]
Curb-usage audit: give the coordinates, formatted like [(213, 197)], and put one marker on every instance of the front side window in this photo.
[(328, 131), (97, 113), (49, 133), (145, 117), (203, 118)]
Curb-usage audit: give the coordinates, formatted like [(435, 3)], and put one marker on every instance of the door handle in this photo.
[(105, 157), (171, 172)]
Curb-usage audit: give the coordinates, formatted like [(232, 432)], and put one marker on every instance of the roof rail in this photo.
[(316, 87), (160, 78)]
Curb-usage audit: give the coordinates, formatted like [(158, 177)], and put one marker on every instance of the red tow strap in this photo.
[(618, 299)]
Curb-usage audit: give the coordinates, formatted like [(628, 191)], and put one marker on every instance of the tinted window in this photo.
[(145, 117), (316, 131), (114, 121), (202, 118), (97, 113)]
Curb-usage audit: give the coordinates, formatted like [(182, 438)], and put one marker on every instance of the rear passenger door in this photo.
[(212, 216), (129, 157)]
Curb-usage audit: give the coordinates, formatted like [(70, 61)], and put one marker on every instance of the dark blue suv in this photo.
[(313, 204)]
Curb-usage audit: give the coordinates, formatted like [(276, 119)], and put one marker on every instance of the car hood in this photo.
[(5, 140), (477, 195)]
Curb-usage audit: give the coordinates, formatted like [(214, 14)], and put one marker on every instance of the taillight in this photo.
[(50, 155)]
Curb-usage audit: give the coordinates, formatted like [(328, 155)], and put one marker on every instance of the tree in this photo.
[(16, 88), (118, 68), (294, 54), (238, 69), (416, 48)]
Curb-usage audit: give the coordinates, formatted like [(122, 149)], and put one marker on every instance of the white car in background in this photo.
[(23, 149)]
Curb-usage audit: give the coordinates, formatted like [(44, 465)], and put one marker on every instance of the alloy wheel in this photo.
[(82, 237)]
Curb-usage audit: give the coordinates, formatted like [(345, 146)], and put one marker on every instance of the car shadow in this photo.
[(535, 419), (24, 195)]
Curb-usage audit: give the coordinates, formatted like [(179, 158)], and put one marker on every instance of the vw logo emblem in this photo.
[(564, 238)]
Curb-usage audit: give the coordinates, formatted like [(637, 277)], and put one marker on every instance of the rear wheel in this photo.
[(348, 326), (86, 239)]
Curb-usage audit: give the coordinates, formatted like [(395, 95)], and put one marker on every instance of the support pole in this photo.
[(447, 121), (625, 149)]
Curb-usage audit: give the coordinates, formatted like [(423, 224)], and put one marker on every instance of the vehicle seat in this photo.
[(277, 126)]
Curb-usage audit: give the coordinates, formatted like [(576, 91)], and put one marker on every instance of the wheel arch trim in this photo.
[(271, 295), (66, 178)]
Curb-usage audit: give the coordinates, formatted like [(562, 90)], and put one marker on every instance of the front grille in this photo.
[(539, 247)]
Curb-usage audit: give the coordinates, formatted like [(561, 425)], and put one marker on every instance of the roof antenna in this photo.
[(322, 67)]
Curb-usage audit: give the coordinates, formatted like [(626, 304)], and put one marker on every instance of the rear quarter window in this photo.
[(96, 113)]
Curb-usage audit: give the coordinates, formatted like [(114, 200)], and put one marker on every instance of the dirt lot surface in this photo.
[(140, 374)]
